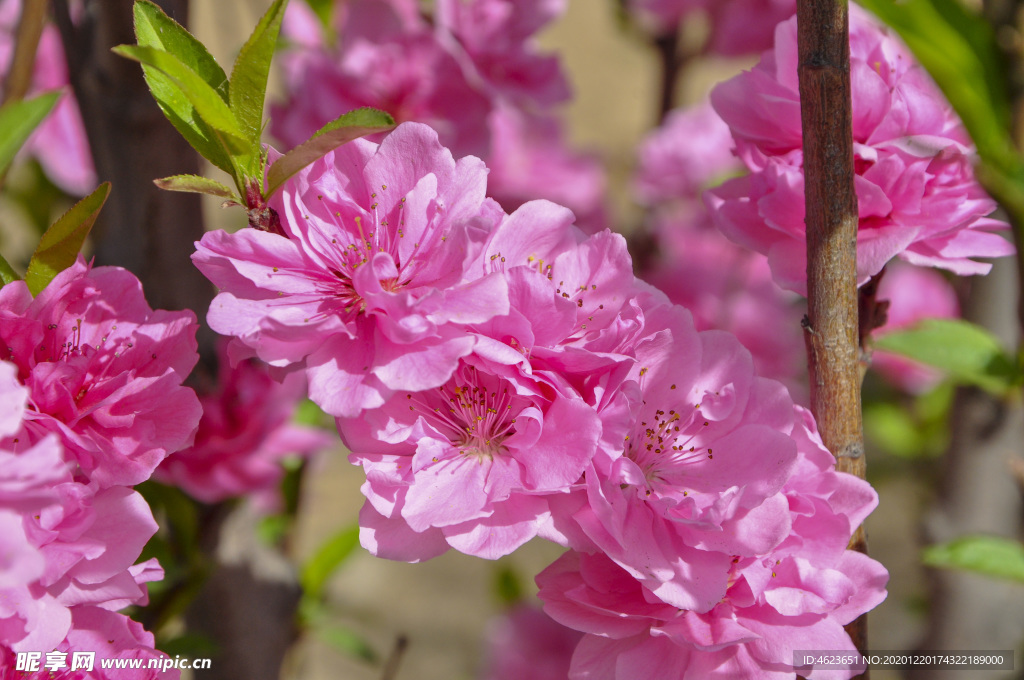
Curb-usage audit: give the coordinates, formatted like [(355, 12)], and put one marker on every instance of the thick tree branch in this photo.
[(832, 325)]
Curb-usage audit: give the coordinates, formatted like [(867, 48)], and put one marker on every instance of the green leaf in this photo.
[(988, 555), (248, 89), (326, 561), (508, 585), (197, 185), (352, 125), (7, 273), (153, 28), (347, 642), (61, 243), (18, 120), (969, 353), (206, 100)]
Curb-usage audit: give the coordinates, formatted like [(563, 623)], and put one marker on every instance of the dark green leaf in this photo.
[(352, 125), (969, 353), (196, 185), (62, 242), (7, 273), (18, 120), (508, 585), (347, 642), (988, 555), (207, 102), (326, 561), (248, 88), (155, 29)]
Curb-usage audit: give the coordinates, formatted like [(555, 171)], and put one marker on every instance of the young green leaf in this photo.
[(346, 641), (7, 273), (61, 243), (967, 352), (197, 185), (324, 10), (17, 121), (352, 125), (988, 555), (326, 561), (207, 101), (248, 88), (153, 28)]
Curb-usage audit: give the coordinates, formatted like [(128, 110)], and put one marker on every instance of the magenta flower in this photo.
[(526, 643), (59, 143), (368, 288), (917, 195), (387, 58), (245, 432), (914, 294), (103, 369)]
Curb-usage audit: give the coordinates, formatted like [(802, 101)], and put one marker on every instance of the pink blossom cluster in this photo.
[(90, 402), (505, 376), (471, 70), (736, 27), (917, 195), (526, 643), (59, 143), (246, 432), (724, 286)]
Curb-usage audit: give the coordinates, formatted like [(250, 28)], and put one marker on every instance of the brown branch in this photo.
[(832, 325), (30, 29)]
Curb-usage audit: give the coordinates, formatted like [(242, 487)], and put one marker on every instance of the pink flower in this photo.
[(530, 159), (109, 636), (751, 633), (526, 643), (917, 195), (914, 294), (689, 151), (468, 464), (368, 288), (737, 27), (245, 432), (59, 143), (389, 59), (103, 369), (729, 288), (497, 37)]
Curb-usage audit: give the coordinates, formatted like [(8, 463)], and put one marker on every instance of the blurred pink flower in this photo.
[(497, 37), (368, 289), (737, 27), (914, 294), (388, 58), (245, 432), (527, 643), (530, 160), (104, 371), (917, 195), (59, 143)]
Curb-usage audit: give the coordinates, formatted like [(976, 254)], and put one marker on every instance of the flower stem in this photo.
[(832, 327), (30, 29)]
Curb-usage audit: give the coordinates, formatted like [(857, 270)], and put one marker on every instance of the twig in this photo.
[(831, 207), (397, 652), (30, 29)]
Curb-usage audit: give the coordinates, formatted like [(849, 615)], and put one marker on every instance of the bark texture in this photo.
[(832, 304)]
